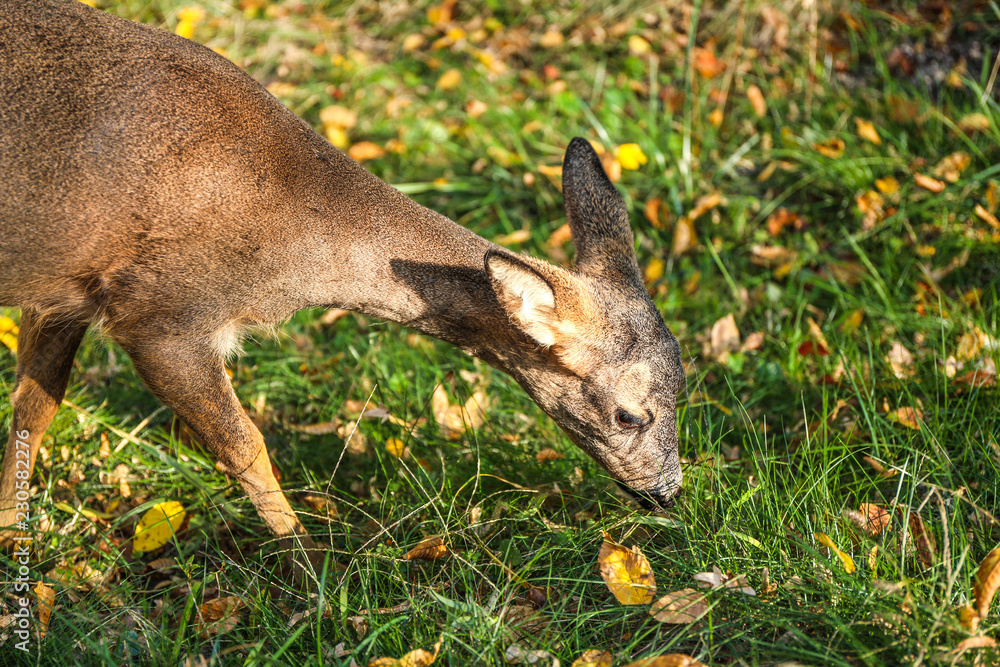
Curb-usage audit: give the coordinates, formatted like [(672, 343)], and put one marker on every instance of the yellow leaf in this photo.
[(716, 117), (906, 416), (8, 325), (10, 340), (845, 559), (680, 607), (867, 131), (337, 137), (952, 166), (638, 46), (415, 658), (630, 156), (974, 122), (439, 14), (853, 321), (432, 548), (654, 270), (831, 148), (397, 448), (158, 525), (515, 237), (338, 116), (969, 618), (365, 150), (887, 185), (757, 101), (412, 42), (987, 582), (627, 573), (185, 29), (551, 39), (449, 80), (685, 237), (192, 14), (594, 658)]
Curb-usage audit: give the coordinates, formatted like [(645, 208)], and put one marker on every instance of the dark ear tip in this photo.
[(579, 147)]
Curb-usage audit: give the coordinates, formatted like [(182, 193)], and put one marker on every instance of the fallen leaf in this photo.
[(900, 361), (725, 336), (987, 217), (928, 183), (973, 122), (887, 185), (397, 448), (973, 643), (867, 131), (518, 655), (680, 607), (594, 658), (907, 416), (754, 341), (654, 271), (922, 540), (415, 658), (626, 572), (872, 207), (638, 46), (630, 156), (439, 15), (160, 523), (338, 116), (652, 212), (853, 321), (548, 454), (684, 237), (845, 559), (782, 218), (951, 167), (877, 519), (218, 616), (365, 150), (978, 378), (551, 38), (832, 148), (969, 618), (719, 579), (412, 42), (449, 80), (817, 335), (431, 548), (454, 420), (756, 98), (475, 108), (987, 582), (46, 597), (706, 64), (705, 204), (515, 237)]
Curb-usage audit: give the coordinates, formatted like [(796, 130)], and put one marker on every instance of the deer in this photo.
[(153, 190)]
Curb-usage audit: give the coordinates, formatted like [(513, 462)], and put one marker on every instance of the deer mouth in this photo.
[(652, 500)]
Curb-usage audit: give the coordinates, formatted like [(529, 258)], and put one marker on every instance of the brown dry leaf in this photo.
[(725, 337), (46, 597), (551, 39), (680, 607), (900, 361), (412, 42), (319, 428), (971, 344), (669, 660), (878, 467), (626, 572), (867, 131), (431, 548), (518, 655), (977, 379), (719, 579), (365, 150), (754, 341), (652, 212), (454, 420), (757, 101), (218, 616), (845, 559), (831, 148), (969, 618), (922, 540), (928, 183), (987, 582), (475, 108), (684, 237), (594, 657), (548, 454), (514, 238), (817, 334), (907, 416), (877, 519), (338, 116), (951, 167), (987, 217), (973, 643)]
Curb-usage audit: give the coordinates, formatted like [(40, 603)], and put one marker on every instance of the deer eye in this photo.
[(627, 420)]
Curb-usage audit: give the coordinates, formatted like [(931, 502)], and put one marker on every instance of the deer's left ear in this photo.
[(547, 303)]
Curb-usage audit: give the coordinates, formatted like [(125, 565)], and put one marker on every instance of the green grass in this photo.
[(768, 463)]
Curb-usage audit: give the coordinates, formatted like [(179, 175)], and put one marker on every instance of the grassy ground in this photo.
[(872, 301)]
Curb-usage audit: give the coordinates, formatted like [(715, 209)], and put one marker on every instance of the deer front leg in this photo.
[(192, 382), (46, 347)]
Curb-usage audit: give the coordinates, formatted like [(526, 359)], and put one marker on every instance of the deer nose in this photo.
[(653, 500)]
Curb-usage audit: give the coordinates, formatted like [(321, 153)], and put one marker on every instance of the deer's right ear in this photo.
[(526, 295)]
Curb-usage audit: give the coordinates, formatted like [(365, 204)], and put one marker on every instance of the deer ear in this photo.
[(525, 294), (597, 217)]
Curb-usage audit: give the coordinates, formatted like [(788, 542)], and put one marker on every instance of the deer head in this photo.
[(608, 370)]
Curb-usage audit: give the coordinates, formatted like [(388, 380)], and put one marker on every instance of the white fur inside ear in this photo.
[(528, 299)]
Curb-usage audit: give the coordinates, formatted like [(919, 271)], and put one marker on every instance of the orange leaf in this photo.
[(365, 150), (706, 64), (756, 98), (907, 416), (867, 131), (548, 454), (987, 582), (669, 660), (922, 540), (46, 596), (218, 616), (626, 572), (831, 148), (432, 548), (928, 183), (877, 519), (987, 217)]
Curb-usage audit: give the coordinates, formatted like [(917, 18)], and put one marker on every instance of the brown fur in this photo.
[(151, 187)]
